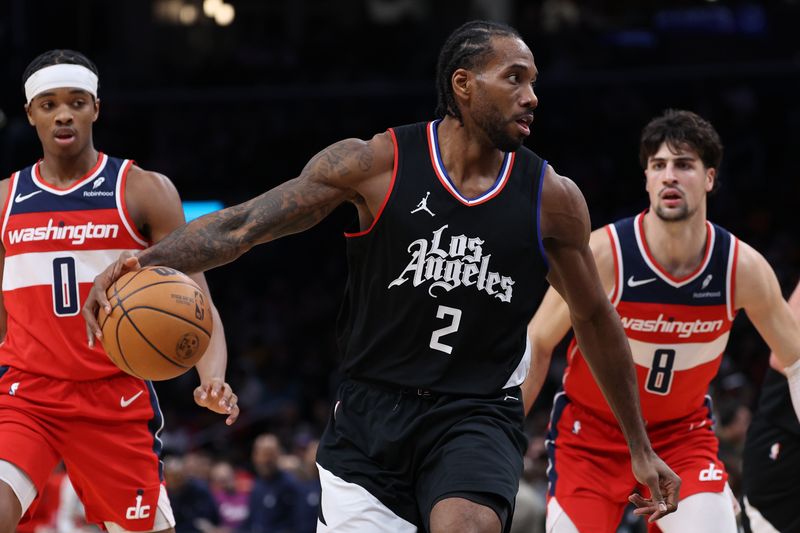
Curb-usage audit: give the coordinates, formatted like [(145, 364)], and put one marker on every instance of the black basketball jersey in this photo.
[(441, 287), (775, 402)]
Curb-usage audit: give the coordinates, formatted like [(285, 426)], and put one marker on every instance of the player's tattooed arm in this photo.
[(350, 170), (337, 174)]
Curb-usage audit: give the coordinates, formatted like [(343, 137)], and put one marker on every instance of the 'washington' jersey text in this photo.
[(677, 327), (56, 241)]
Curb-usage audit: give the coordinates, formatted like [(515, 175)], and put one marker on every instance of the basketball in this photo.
[(160, 323)]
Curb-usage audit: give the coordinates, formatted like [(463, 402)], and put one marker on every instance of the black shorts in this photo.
[(410, 450), (771, 468)]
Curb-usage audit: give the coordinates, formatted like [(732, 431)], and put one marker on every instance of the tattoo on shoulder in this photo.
[(365, 158), (291, 207), (340, 159)]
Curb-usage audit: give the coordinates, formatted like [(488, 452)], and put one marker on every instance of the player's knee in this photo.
[(10, 509), (458, 514)]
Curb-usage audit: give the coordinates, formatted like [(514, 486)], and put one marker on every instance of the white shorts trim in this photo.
[(164, 517), (19, 482), (758, 524), (557, 520), (350, 508)]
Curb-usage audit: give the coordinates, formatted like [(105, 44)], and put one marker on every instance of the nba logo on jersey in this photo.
[(138, 511), (12, 391), (774, 451)]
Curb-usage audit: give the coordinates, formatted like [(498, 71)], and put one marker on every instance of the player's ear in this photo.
[(96, 109), (711, 178), (462, 83), (28, 114)]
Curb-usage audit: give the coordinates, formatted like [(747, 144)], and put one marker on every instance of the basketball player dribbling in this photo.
[(677, 282), (63, 219), (457, 226), (771, 458)]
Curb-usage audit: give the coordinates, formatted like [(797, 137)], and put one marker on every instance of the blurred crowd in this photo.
[(277, 492)]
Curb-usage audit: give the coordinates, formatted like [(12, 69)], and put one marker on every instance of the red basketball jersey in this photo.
[(677, 327), (56, 241)]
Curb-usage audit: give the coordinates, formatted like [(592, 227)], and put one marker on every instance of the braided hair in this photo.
[(57, 57), (468, 47)]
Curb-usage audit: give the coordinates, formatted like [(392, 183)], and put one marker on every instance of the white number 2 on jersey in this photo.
[(443, 312)]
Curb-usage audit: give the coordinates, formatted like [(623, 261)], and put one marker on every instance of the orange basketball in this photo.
[(160, 323)]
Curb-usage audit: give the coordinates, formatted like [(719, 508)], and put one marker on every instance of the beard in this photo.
[(492, 122), (677, 215)]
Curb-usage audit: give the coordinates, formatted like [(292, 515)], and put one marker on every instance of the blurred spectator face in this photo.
[(677, 182), (174, 472), (197, 465), (266, 452), (290, 463), (222, 477)]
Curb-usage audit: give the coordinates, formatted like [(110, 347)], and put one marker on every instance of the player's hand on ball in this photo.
[(217, 396), (127, 262), (664, 486)]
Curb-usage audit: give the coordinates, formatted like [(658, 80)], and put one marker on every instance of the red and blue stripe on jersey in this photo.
[(677, 327), (56, 241)]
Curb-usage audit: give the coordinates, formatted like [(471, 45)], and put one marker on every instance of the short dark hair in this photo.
[(467, 47), (57, 57), (679, 129)]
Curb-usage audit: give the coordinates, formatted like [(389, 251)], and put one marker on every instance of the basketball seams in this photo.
[(165, 312), (121, 299), (128, 282), (153, 346), (137, 337), (166, 282), (117, 290), (119, 345)]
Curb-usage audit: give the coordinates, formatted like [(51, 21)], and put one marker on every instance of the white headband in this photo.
[(61, 75)]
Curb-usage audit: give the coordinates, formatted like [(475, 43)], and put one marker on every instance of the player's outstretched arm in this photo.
[(757, 292), (350, 170), (333, 176), (565, 234)]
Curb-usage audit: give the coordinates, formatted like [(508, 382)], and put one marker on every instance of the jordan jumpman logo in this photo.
[(423, 205)]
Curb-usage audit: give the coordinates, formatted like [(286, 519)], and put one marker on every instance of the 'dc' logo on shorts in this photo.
[(138, 511)]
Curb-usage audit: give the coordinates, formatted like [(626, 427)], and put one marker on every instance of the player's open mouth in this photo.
[(671, 197), (64, 136), (524, 123)]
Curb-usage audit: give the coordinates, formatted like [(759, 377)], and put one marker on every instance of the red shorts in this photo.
[(106, 432), (590, 467)]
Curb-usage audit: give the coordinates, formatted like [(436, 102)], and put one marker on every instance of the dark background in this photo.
[(228, 112)]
